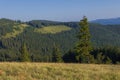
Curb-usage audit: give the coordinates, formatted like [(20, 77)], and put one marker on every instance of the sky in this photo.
[(59, 10)]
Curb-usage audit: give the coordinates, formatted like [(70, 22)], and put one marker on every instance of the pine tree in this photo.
[(25, 57), (83, 47), (56, 55)]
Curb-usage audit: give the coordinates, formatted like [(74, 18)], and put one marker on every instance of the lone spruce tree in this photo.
[(56, 55), (25, 57), (84, 47)]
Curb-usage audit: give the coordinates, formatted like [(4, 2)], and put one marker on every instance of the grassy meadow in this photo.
[(52, 29), (58, 71)]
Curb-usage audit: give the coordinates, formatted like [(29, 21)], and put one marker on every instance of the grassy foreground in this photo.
[(58, 71)]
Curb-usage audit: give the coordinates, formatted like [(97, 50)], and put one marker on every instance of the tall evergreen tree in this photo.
[(25, 56), (83, 47), (56, 55)]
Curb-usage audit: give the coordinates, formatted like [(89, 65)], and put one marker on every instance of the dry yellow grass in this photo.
[(58, 71), (52, 29)]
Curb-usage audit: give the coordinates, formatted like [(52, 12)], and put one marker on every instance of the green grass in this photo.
[(16, 31), (52, 29), (58, 71)]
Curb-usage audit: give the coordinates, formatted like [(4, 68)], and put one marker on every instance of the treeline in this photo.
[(42, 23), (101, 55)]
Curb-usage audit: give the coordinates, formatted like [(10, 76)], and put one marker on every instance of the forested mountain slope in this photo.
[(41, 35)]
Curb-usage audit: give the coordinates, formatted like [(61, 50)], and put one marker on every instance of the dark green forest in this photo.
[(105, 41)]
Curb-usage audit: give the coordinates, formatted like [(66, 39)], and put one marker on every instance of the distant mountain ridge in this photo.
[(111, 21)]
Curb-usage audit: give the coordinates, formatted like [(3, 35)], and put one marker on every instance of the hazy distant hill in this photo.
[(111, 21)]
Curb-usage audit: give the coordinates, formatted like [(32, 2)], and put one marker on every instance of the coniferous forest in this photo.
[(52, 41)]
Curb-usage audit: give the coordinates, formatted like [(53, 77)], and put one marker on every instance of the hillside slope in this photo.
[(40, 40)]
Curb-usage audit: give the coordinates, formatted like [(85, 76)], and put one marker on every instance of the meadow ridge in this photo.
[(17, 29), (52, 29), (58, 71)]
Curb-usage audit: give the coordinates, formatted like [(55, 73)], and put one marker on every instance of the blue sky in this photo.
[(60, 10)]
